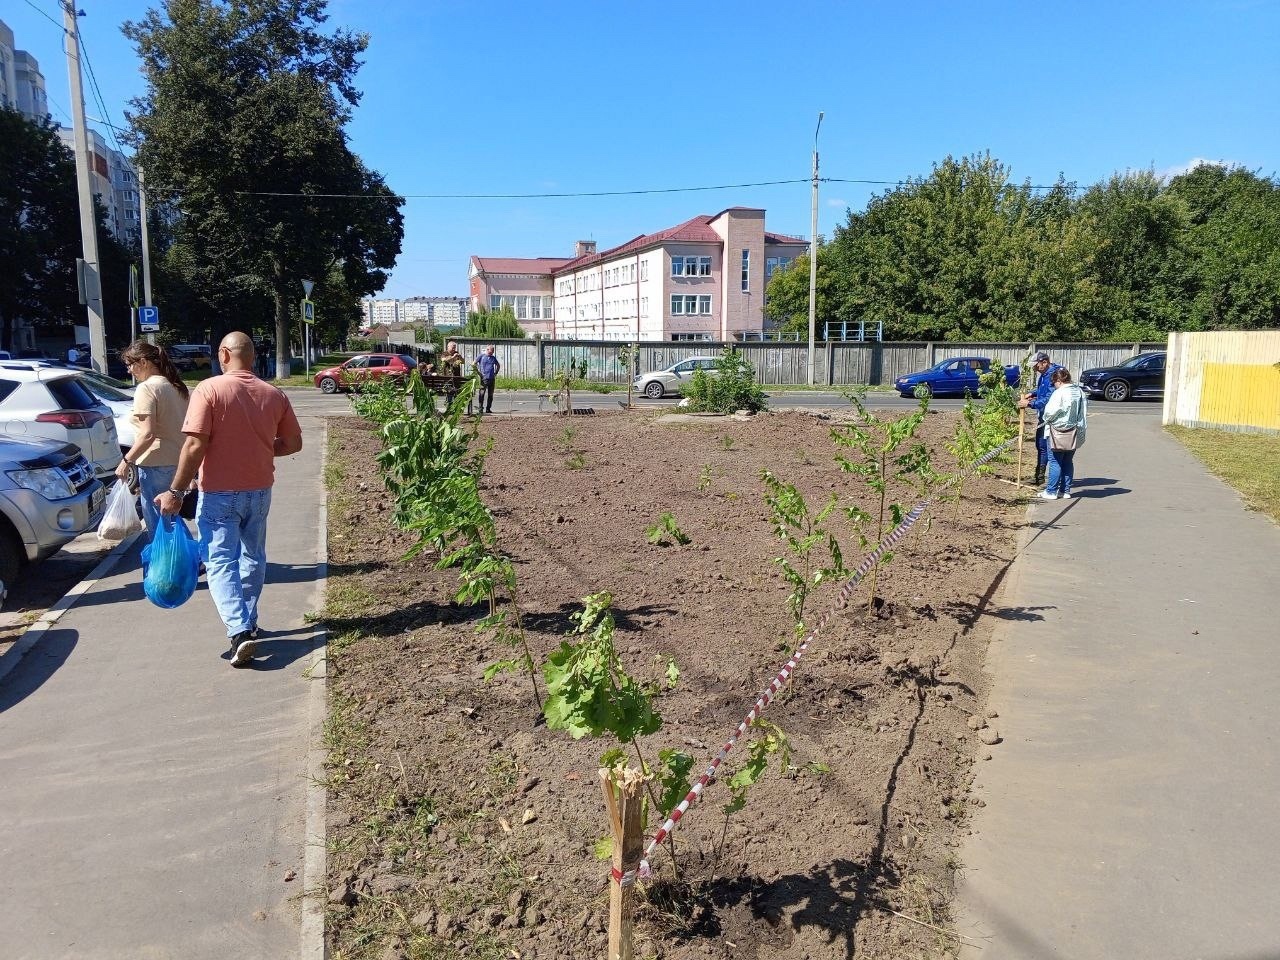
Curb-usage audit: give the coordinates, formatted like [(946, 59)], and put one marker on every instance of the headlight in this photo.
[(50, 483)]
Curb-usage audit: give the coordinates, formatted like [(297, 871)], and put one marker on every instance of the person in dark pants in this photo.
[(487, 366), (1036, 400)]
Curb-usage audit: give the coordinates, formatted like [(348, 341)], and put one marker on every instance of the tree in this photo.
[(242, 128), (500, 324), (39, 226)]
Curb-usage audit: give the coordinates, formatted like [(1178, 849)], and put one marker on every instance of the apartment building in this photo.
[(703, 279), (21, 82)]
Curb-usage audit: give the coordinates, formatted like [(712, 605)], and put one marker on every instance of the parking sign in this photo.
[(149, 319)]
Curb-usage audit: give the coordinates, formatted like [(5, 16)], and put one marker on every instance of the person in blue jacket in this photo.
[(1036, 400)]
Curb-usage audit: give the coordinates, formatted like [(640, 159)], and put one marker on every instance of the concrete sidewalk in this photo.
[(1130, 809), (153, 800)]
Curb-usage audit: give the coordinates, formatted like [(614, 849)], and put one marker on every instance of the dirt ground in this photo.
[(459, 826)]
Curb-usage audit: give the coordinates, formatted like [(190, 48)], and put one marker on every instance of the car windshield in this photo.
[(101, 390), (93, 377), (408, 361)]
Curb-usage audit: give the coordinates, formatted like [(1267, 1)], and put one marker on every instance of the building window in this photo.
[(690, 305), (522, 308), (677, 304), (704, 304), (704, 266), (690, 266), (746, 271), (773, 264), (701, 337), (495, 301), (644, 269), (535, 308), (677, 266), (546, 307)]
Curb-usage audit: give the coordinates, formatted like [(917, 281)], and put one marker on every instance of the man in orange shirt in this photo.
[(236, 426)]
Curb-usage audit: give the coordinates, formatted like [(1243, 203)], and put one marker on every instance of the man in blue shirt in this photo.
[(1036, 400), (487, 366)]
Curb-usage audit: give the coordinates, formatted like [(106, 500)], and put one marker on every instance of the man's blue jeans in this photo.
[(233, 534)]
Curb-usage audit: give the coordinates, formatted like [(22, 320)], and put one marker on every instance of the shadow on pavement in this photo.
[(279, 648), (39, 664)]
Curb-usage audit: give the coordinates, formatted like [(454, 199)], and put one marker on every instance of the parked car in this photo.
[(953, 377), (48, 496), (675, 378), (364, 366), (198, 359), (182, 362), (1140, 376), (40, 400), (121, 404)]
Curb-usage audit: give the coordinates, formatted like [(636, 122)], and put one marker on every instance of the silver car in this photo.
[(52, 402), (675, 379), (48, 496)]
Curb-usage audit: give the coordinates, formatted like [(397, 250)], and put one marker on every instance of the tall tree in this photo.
[(500, 324), (242, 126), (39, 226)]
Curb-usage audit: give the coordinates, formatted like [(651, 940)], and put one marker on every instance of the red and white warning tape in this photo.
[(644, 871)]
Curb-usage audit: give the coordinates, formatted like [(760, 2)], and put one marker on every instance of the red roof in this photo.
[(538, 265)]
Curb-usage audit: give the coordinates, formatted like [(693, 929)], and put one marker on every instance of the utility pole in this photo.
[(146, 243), (88, 218), (813, 251)]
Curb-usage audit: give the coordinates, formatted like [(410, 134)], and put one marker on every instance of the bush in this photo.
[(732, 388)]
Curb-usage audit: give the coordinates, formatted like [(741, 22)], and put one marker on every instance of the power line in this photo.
[(60, 27), (97, 91), (520, 196)]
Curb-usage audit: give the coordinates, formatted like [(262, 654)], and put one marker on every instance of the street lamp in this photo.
[(813, 250)]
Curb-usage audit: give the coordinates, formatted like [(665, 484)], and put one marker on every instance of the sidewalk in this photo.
[(154, 799), (1130, 809)]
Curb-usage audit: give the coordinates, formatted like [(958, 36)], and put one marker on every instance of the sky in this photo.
[(522, 98)]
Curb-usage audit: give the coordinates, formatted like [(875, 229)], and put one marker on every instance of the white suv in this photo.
[(38, 401)]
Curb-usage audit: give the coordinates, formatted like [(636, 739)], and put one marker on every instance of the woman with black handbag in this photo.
[(159, 407), (1064, 420)]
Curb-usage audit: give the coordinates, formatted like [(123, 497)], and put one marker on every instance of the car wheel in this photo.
[(11, 558), (131, 478), (1116, 390), (653, 390), (328, 385)]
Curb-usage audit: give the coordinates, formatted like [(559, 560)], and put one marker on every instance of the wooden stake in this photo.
[(1022, 439), (624, 799)]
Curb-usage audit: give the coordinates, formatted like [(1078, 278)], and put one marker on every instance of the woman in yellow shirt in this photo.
[(159, 407)]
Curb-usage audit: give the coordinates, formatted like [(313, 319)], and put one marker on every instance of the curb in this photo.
[(34, 633), (314, 869)]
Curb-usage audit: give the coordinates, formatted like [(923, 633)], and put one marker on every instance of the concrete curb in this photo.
[(314, 869), (34, 633)]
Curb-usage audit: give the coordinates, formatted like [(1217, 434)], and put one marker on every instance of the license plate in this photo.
[(96, 498)]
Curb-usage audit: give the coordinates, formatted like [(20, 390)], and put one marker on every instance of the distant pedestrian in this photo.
[(1036, 400), (1064, 420), (159, 407), (235, 427), (487, 365)]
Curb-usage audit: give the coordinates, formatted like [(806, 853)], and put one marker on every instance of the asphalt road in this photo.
[(313, 403)]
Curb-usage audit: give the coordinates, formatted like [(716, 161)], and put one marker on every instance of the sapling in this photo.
[(770, 741), (876, 444), (803, 532), (666, 527), (704, 477)]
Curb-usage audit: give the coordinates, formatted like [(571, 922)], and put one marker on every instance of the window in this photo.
[(691, 305), (495, 301), (535, 308), (704, 304), (704, 266), (522, 308), (746, 271), (677, 266), (546, 307), (644, 270), (677, 304), (773, 264), (690, 266)]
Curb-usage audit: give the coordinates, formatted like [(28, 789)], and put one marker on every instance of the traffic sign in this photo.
[(149, 319), (308, 311)]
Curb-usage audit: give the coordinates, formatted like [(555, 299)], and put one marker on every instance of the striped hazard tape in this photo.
[(644, 871)]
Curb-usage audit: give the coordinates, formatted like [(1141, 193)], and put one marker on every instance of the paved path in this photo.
[(152, 798), (1131, 809)]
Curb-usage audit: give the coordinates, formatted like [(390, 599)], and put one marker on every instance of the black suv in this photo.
[(1140, 376)]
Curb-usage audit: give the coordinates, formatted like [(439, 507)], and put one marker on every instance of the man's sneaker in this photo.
[(245, 647), (1046, 495), (1066, 495), (254, 631)]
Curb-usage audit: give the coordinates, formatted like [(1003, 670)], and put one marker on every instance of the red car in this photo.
[(364, 366)]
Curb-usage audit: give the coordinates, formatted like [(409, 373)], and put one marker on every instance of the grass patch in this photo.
[(1248, 462), (547, 386)]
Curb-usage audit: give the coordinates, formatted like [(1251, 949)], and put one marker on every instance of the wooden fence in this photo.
[(1227, 380)]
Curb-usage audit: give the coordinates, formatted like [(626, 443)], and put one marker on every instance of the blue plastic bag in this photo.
[(171, 564)]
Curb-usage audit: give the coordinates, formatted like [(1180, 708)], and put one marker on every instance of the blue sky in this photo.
[(518, 98)]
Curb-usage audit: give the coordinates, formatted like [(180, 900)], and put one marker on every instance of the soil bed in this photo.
[(459, 827)]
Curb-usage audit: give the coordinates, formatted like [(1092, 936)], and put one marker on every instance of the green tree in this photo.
[(39, 226), (500, 324), (242, 128), (1228, 273)]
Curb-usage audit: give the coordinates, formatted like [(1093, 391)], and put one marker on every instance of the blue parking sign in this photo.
[(149, 319)]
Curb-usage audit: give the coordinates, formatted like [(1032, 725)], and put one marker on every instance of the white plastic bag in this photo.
[(120, 519)]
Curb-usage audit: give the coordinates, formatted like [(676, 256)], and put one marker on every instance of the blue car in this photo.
[(953, 377)]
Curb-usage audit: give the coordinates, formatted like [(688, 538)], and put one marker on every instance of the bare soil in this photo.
[(460, 826)]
